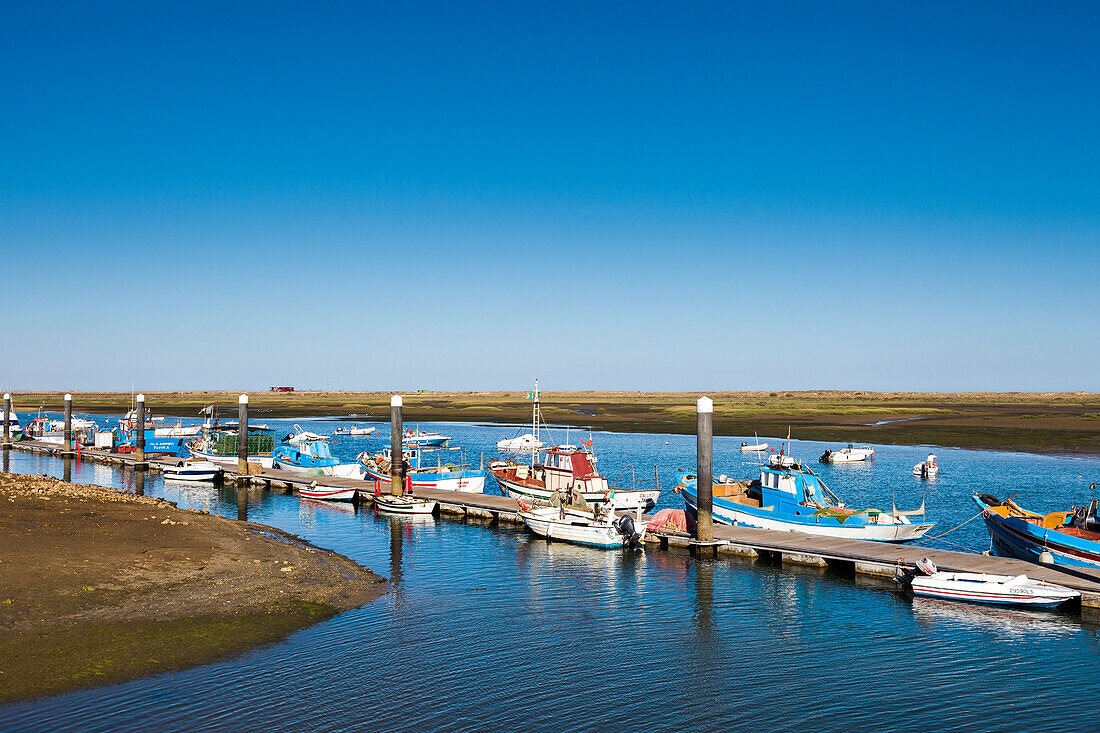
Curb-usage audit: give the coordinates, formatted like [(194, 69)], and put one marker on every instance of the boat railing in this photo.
[(634, 480)]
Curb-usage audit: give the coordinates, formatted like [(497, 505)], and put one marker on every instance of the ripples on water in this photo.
[(487, 628)]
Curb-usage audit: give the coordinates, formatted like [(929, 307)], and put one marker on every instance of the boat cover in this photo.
[(672, 520)]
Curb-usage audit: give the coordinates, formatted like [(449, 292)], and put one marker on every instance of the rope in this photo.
[(944, 534)]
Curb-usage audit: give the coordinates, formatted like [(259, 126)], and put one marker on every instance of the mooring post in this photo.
[(7, 420), (68, 424), (704, 519), (242, 435), (139, 430), (397, 455)]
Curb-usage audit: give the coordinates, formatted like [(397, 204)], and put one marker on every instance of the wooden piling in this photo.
[(397, 453), (68, 446), (704, 520), (7, 420), (139, 430), (242, 435)]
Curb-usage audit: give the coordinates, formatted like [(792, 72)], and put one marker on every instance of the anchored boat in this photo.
[(423, 439), (594, 528), (927, 468), (327, 493), (219, 444), (528, 441), (422, 475), (191, 470), (848, 455), (355, 431), (1068, 538), (306, 452), (404, 504), (564, 468), (790, 497), (1004, 590)]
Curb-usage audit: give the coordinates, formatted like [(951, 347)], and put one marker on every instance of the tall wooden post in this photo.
[(242, 435), (68, 447), (704, 431), (7, 419), (139, 431), (397, 454)]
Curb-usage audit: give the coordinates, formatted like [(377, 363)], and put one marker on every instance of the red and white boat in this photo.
[(328, 493)]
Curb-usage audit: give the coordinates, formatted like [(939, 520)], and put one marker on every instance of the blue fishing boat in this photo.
[(219, 442), (306, 452), (422, 475), (790, 497), (1071, 538)]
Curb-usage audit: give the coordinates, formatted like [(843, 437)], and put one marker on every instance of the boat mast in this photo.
[(536, 418)]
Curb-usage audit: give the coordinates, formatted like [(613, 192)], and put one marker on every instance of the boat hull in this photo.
[(328, 493), (390, 504), (1014, 537), (264, 461), (474, 483), (727, 512), (550, 525), (974, 588), (624, 499)]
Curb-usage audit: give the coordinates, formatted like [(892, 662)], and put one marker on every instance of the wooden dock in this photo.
[(845, 556)]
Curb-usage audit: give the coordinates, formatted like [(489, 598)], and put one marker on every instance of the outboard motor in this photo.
[(624, 525), (1087, 518), (825, 456)]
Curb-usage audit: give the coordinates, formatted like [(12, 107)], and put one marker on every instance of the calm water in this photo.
[(486, 628)]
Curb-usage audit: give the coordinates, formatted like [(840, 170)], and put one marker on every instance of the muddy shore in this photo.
[(99, 586)]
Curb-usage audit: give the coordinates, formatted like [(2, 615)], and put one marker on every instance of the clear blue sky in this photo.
[(894, 196)]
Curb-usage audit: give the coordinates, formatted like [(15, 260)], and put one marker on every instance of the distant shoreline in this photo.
[(1048, 423)]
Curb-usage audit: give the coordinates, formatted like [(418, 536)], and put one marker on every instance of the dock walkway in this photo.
[(854, 556)]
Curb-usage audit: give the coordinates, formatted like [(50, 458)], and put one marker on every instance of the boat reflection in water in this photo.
[(1012, 622)]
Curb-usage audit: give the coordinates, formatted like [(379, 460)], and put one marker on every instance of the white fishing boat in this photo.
[(583, 527), (193, 471), (848, 455), (355, 431), (406, 504), (1006, 590), (927, 468), (327, 493)]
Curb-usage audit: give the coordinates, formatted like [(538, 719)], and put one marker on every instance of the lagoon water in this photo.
[(487, 628)]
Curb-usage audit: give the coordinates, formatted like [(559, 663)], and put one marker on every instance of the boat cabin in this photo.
[(566, 466)]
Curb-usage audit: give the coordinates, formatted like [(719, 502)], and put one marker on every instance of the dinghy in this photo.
[(327, 493), (756, 447), (391, 504), (1005, 590), (353, 431), (523, 443), (193, 471)]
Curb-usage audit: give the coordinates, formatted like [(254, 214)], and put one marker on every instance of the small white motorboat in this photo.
[(403, 504), (583, 527), (327, 493), (423, 438), (848, 455), (525, 442), (354, 431), (1006, 590), (756, 447), (193, 471), (927, 468)]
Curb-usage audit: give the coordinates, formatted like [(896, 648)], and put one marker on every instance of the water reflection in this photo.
[(242, 503), (7, 460), (139, 483), (67, 470)]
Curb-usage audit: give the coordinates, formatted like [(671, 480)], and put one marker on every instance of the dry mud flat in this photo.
[(99, 586)]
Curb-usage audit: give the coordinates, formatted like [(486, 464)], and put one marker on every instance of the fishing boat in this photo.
[(327, 493), (421, 474), (927, 468), (564, 468), (306, 452), (790, 497), (355, 431), (423, 438), (593, 529), (218, 443), (43, 429), (1061, 538), (191, 470), (404, 504), (128, 423), (1004, 590), (848, 455)]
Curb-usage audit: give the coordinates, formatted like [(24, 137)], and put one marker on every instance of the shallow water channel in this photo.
[(489, 628)]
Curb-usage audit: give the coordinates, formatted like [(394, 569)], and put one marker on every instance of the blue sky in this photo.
[(606, 196)]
